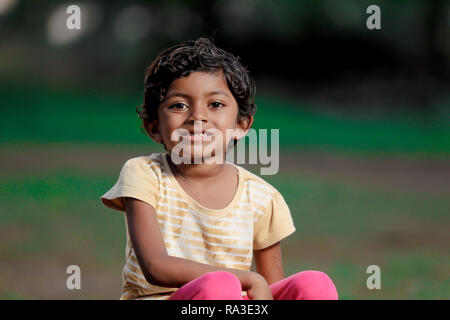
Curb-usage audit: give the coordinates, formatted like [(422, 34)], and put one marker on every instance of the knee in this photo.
[(315, 285), (220, 285)]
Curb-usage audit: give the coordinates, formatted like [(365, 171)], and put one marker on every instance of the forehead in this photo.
[(199, 83)]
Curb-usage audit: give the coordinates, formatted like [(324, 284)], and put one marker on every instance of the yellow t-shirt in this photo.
[(256, 218)]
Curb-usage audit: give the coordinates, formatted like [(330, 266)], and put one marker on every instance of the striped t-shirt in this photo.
[(256, 218)]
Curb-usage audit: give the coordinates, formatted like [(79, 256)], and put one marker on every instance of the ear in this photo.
[(242, 126), (152, 128)]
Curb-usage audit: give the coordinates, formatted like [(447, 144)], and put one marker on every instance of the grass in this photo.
[(11, 296), (59, 214), (45, 115), (342, 227)]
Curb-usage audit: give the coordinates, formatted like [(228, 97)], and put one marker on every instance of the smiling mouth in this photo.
[(198, 136), (198, 133)]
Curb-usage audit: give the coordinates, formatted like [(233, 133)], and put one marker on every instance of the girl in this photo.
[(193, 227)]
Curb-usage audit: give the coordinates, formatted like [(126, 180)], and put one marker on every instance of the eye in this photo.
[(216, 105), (178, 106)]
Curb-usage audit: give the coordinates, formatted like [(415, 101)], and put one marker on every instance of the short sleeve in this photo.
[(275, 225), (136, 180)]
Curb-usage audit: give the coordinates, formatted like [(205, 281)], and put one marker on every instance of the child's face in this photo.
[(202, 99)]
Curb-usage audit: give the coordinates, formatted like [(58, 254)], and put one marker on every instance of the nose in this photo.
[(198, 114)]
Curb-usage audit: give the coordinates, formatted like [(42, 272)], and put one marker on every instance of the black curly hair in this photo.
[(190, 56)]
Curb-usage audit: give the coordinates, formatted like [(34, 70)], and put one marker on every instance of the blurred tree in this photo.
[(307, 44)]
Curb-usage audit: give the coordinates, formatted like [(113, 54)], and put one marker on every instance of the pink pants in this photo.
[(221, 285)]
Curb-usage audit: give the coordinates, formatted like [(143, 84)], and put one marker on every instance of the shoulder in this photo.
[(143, 168), (272, 218), (139, 178), (153, 159), (150, 163), (258, 185)]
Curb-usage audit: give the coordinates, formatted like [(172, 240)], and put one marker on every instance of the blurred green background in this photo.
[(364, 135)]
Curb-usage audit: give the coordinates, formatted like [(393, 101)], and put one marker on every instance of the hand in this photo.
[(259, 288)]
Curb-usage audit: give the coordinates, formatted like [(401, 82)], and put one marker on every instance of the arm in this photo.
[(269, 263), (157, 266)]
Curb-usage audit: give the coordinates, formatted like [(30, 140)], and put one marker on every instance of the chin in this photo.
[(200, 153)]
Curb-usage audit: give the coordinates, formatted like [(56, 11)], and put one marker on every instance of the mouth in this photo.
[(203, 135)]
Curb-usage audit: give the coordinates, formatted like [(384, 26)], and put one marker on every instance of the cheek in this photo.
[(229, 119), (168, 128)]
